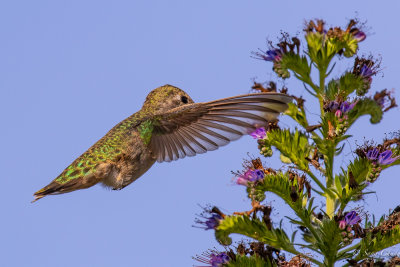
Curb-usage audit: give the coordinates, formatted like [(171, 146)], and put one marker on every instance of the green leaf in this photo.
[(297, 114), (359, 169), (349, 83), (344, 86), (332, 90), (298, 64), (315, 43), (366, 106), (295, 146), (330, 241), (281, 185), (253, 228)]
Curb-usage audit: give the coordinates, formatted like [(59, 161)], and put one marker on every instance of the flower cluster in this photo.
[(346, 224), (250, 176), (379, 159), (341, 109), (326, 43), (213, 258), (365, 68), (275, 54)]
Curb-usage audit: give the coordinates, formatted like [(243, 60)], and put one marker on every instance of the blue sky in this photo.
[(70, 70)]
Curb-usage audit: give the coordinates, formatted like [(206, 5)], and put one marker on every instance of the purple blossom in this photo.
[(385, 158), (333, 105), (352, 218), (219, 259), (250, 176), (366, 71), (213, 221), (259, 133), (372, 154), (209, 219), (340, 108), (214, 258), (346, 106), (272, 55), (242, 181), (359, 36)]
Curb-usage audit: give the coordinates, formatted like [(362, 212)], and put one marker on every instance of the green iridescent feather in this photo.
[(107, 148), (145, 130)]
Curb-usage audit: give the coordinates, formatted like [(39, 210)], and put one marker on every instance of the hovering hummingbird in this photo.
[(169, 126)]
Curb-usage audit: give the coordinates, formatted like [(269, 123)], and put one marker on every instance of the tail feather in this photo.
[(56, 188)]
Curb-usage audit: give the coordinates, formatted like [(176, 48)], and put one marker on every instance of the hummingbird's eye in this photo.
[(184, 99)]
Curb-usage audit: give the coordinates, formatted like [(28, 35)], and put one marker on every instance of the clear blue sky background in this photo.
[(70, 70)]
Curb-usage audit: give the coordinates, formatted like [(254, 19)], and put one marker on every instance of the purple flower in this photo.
[(271, 55), (352, 218), (209, 218), (385, 158), (213, 258), (213, 221), (242, 181), (259, 133), (338, 113), (250, 176), (333, 105), (359, 36), (346, 106), (372, 154), (219, 259), (366, 71)]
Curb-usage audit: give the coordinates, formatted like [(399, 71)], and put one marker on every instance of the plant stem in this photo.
[(330, 206), (330, 200)]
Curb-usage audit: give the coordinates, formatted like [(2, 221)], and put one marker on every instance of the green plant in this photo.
[(308, 152)]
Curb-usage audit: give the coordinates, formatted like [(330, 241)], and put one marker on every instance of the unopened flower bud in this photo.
[(342, 224)]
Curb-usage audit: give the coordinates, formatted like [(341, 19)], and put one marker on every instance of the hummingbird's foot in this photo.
[(256, 206)]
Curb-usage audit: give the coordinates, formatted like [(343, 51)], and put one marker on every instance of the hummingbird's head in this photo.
[(165, 98)]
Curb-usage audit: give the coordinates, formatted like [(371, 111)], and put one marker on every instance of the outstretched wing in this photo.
[(197, 128)]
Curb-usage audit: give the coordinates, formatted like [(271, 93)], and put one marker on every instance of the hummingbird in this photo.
[(169, 126)]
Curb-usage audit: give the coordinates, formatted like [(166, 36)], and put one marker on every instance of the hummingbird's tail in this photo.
[(56, 188)]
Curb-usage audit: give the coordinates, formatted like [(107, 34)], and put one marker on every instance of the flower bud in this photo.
[(342, 224)]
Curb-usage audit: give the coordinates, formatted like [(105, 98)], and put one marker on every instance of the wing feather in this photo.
[(197, 128)]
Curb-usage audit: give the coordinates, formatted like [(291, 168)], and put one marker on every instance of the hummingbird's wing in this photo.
[(197, 128)]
